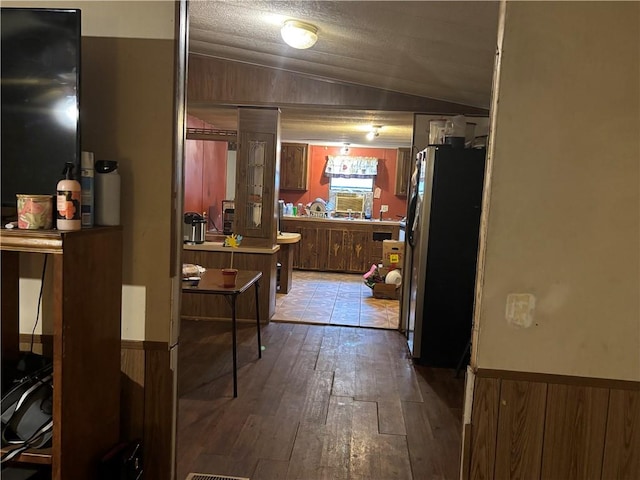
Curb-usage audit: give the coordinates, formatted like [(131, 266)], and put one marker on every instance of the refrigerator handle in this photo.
[(413, 202), (411, 215)]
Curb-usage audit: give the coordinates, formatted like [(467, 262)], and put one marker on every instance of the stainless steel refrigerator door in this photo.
[(418, 267), (412, 195)]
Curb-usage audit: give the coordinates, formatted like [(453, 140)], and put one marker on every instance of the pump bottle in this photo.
[(68, 202)]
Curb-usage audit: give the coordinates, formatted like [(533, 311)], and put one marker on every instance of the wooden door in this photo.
[(358, 251), (403, 171), (337, 243), (310, 248)]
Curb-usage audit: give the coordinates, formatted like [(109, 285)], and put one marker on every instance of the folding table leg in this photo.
[(258, 317), (235, 349)]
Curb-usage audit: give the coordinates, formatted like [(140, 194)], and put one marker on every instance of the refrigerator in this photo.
[(441, 249)]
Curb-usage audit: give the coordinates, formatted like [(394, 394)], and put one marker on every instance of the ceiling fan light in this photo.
[(299, 35)]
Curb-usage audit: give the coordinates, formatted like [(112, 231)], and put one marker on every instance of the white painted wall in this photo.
[(118, 18), (564, 202)]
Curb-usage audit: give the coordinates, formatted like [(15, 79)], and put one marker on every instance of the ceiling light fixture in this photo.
[(298, 34), (373, 133)]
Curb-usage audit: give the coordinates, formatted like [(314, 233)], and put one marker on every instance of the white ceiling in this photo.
[(432, 49)]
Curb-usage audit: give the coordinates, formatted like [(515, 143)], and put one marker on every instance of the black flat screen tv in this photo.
[(40, 81)]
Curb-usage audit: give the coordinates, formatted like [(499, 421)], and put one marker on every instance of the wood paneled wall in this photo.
[(214, 80), (547, 427), (205, 173)]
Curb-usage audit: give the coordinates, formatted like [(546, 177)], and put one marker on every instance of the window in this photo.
[(361, 184)]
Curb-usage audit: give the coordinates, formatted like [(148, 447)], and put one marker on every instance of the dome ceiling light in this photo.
[(299, 35), (373, 132)]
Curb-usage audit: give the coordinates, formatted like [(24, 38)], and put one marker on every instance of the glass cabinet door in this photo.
[(256, 175), (255, 183), (255, 187)]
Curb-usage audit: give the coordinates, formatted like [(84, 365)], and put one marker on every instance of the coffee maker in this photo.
[(194, 228)]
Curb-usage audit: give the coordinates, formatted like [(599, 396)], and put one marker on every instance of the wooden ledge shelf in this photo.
[(41, 456)]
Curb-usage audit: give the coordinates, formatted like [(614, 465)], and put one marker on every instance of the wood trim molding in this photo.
[(47, 339), (144, 345), (557, 379)]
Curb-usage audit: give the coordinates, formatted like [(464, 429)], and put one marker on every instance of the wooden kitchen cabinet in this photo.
[(404, 167), (294, 172), (358, 250), (312, 249), (339, 245), (255, 213)]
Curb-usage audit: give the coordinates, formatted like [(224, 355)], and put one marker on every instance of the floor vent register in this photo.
[(208, 476)]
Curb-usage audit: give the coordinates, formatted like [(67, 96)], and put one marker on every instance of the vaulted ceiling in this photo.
[(439, 51)]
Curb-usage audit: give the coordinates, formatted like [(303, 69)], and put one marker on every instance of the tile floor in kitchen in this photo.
[(334, 299)]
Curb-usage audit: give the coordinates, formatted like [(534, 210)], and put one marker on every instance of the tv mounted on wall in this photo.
[(40, 92)]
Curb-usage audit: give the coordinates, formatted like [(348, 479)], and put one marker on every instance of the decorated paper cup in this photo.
[(35, 212)]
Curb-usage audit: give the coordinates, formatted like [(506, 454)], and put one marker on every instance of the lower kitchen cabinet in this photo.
[(333, 245), (360, 254), (309, 250)]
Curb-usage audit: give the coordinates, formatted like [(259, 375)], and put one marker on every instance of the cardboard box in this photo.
[(386, 290), (393, 253)]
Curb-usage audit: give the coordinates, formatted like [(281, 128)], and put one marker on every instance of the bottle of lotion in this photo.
[(68, 201)]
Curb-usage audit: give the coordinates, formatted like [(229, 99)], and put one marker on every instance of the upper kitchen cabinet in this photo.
[(256, 161), (294, 166), (403, 171)]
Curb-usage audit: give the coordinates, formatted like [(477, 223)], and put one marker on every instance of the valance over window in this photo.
[(346, 166)]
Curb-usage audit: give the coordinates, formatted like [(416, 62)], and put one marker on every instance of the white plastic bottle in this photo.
[(107, 198), (68, 203), (88, 190)]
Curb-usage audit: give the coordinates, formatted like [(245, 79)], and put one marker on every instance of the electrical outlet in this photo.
[(384, 208)]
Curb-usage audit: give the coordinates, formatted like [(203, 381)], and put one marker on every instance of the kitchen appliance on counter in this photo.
[(442, 230), (228, 211), (194, 228)]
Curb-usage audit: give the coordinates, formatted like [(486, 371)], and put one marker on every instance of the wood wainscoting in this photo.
[(552, 427), (146, 398), (146, 403)]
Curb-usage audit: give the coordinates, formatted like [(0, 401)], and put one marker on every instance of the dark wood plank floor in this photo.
[(324, 402)]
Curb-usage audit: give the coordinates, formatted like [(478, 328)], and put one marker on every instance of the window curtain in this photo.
[(347, 166)]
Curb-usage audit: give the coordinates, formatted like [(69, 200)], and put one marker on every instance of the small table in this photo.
[(211, 283), (286, 240)]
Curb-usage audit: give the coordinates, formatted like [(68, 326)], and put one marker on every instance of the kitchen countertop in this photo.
[(219, 247), (343, 220), (287, 238)]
